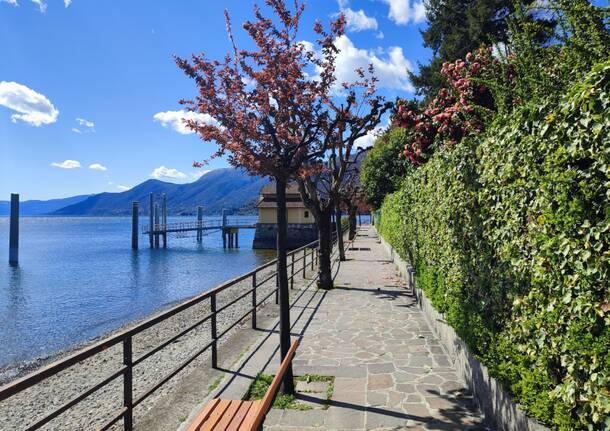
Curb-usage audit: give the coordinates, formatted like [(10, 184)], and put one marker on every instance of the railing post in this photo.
[(128, 385), (254, 300), (277, 286), (214, 331), (313, 252), (304, 259), (292, 272)]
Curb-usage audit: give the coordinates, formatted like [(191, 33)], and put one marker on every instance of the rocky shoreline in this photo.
[(32, 404)]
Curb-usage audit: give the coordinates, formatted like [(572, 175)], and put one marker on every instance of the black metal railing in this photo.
[(125, 337)]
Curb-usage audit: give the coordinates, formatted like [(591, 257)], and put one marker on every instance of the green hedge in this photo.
[(509, 236)]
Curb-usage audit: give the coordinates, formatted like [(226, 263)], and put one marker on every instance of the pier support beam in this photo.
[(156, 225), (224, 230), (164, 220), (151, 210), (13, 249), (135, 215), (199, 223)]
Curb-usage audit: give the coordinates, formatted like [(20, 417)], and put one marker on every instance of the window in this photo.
[(306, 214)]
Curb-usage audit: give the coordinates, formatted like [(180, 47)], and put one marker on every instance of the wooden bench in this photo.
[(239, 415)]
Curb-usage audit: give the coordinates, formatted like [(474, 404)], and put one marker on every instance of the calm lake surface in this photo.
[(78, 278)]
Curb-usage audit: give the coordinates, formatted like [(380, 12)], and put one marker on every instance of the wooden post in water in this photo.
[(151, 210), (199, 223), (164, 220), (236, 238), (224, 230), (13, 248), (156, 225), (135, 214)]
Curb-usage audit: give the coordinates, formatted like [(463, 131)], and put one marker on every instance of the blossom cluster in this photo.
[(455, 112)]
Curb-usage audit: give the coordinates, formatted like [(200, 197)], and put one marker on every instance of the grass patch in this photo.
[(314, 378), (319, 378), (214, 384), (261, 384)]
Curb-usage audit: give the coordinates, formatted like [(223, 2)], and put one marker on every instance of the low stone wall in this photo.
[(497, 405), (298, 235)]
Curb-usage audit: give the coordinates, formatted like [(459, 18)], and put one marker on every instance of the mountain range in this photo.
[(231, 189)]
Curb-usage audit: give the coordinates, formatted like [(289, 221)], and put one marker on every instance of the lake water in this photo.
[(78, 278)]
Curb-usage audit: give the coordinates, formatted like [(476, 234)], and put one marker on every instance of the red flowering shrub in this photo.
[(456, 111)]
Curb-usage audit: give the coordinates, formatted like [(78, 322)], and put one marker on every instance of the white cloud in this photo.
[(97, 167), (248, 82), (343, 3), (41, 5), (34, 108), (163, 172), (176, 119), (379, 35), (122, 188), (200, 173), (67, 164), (404, 11), (358, 20), (369, 139), (86, 123), (86, 126), (391, 71)]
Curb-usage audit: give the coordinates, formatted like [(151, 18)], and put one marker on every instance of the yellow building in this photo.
[(301, 223), (267, 206)]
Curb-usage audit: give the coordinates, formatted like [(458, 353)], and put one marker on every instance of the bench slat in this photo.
[(203, 415), (238, 419), (228, 415), (249, 423), (216, 415)]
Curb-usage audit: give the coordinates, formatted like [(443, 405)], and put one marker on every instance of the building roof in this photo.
[(291, 189), (266, 204), (268, 198)]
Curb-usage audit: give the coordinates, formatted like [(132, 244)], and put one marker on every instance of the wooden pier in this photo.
[(158, 226)]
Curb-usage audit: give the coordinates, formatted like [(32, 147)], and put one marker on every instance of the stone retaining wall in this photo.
[(493, 400), (299, 234)]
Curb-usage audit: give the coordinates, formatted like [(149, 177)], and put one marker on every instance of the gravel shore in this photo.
[(30, 405)]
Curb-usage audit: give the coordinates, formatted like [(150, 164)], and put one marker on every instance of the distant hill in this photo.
[(228, 188), (37, 207)]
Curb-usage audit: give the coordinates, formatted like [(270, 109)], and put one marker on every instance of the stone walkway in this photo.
[(390, 371)]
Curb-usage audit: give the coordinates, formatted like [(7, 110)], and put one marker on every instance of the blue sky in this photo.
[(81, 82)]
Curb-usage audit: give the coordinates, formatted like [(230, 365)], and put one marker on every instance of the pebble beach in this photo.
[(28, 406)]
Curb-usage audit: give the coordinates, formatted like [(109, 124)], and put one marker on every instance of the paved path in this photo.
[(390, 370)]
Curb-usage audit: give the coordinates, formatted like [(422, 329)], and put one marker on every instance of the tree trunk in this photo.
[(282, 234), (325, 277), (352, 221), (339, 229)]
